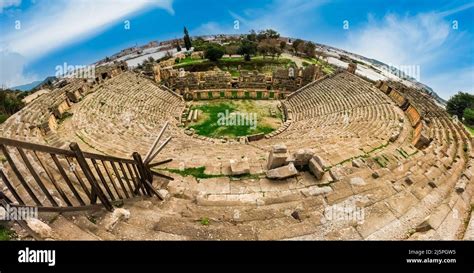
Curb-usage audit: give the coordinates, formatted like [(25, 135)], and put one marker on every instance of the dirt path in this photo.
[(298, 61)]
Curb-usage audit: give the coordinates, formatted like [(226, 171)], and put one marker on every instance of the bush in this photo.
[(247, 48), (458, 103), (214, 52), (469, 116)]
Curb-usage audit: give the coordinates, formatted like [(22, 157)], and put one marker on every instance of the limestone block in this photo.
[(282, 172), (112, 219), (276, 159), (316, 169), (41, 229), (239, 167), (302, 157), (321, 161)]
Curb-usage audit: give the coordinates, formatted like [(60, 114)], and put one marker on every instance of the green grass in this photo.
[(189, 61), (380, 161), (200, 173), (210, 125), (64, 116), (327, 68), (6, 234), (3, 117), (258, 63), (403, 153), (197, 172), (204, 221), (470, 129)]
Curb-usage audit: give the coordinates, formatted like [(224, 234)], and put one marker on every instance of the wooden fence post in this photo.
[(95, 189), (145, 175)]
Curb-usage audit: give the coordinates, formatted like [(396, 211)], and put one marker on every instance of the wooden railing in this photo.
[(54, 179)]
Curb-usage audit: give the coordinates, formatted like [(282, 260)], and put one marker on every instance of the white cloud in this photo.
[(11, 70), (415, 40), (213, 28), (50, 25), (449, 83), (424, 39), (4, 4)]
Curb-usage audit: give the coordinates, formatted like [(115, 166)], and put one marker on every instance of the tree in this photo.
[(187, 40), (247, 48), (297, 45), (10, 103), (269, 47), (309, 49), (231, 49), (200, 44), (282, 45), (214, 52), (267, 34), (148, 65), (252, 36), (263, 48), (178, 47), (458, 103), (469, 116)]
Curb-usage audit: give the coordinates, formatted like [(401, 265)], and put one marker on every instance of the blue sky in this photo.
[(80, 32)]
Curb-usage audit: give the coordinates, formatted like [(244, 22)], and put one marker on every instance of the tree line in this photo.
[(462, 106), (10, 102)]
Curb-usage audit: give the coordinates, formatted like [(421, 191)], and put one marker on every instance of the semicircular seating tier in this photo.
[(393, 156)]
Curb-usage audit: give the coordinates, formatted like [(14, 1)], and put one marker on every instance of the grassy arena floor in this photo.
[(235, 118)]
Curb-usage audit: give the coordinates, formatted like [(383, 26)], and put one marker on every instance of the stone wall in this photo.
[(50, 125), (398, 98), (421, 137), (284, 79), (234, 94), (104, 72), (413, 115), (351, 68), (59, 109)]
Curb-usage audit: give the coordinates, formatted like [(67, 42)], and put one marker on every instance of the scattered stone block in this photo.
[(41, 229), (461, 185), (164, 193), (357, 181), (409, 180), (277, 157), (316, 190), (423, 227), (394, 136), (290, 159), (336, 173), (279, 148), (358, 163), (112, 219), (316, 169), (321, 161), (282, 172), (302, 157), (239, 167)]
